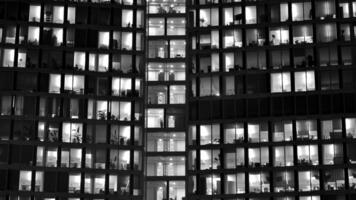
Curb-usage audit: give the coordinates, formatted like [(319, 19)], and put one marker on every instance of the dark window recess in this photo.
[(252, 108), (92, 38), (193, 111), (240, 108), (26, 82), (313, 104), (3, 175), (301, 105), (277, 106), (289, 108), (81, 15), (216, 109), (204, 110), (49, 181), (13, 179), (62, 183), (337, 103), (6, 81), (229, 109), (350, 105), (264, 107), (80, 38), (11, 10)]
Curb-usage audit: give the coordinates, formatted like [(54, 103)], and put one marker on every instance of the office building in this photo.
[(177, 99)]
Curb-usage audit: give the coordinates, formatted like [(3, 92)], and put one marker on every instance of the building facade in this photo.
[(166, 106), (72, 99), (272, 102), (177, 99)]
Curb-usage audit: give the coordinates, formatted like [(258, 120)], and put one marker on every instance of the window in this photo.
[(39, 179), (35, 13), (350, 124), (233, 133), (103, 41), (352, 178), (279, 59), (71, 158), (209, 17), (256, 60), (165, 166), (71, 13), (258, 157), (210, 159), (234, 158), (72, 133), (177, 94), (51, 157), (209, 86), (157, 49), (334, 179), (232, 16), (282, 131), (54, 83), (279, 12), (331, 129), (33, 35), (304, 81), (308, 181), (251, 14), (279, 36), (283, 181), (177, 49), (329, 80), (255, 37), (74, 83), (8, 58), (155, 118), (283, 156), (307, 154), (126, 41), (328, 56), (166, 142), (235, 183), (302, 11), (259, 182), (79, 60), (258, 132), (6, 105), (325, 9), (326, 32), (156, 26), (121, 86), (74, 183), (120, 111), (164, 72), (176, 26), (127, 18), (280, 82), (307, 130), (229, 85), (333, 154), (302, 34), (209, 134), (25, 180), (232, 38)]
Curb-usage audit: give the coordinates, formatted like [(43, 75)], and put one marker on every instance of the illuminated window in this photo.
[(280, 82), (304, 81)]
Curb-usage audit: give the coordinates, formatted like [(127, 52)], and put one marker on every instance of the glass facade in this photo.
[(177, 99), (271, 99), (72, 99), (166, 106)]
